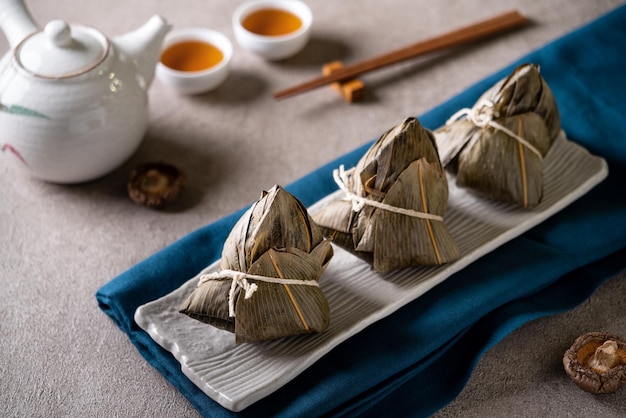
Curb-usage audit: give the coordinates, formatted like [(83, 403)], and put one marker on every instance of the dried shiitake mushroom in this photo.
[(155, 184), (596, 362)]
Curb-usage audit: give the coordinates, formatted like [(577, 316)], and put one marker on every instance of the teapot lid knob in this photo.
[(58, 33), (62, 50)]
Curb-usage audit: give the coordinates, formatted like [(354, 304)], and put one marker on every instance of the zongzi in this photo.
[(268, 285), (395, 199), (497, 147)]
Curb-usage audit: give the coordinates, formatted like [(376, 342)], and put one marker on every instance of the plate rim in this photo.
[(444, 273)]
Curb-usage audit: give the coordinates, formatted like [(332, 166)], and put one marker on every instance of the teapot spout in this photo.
[(143, 46), (16, 21)]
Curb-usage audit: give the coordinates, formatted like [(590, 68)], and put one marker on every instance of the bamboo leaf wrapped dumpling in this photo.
[(271, 263), (396, 196), (497, 147)]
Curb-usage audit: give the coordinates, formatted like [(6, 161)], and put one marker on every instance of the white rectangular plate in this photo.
[(238, 375)]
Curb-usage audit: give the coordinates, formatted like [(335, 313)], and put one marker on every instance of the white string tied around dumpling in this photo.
[(482, 115), (358, 202), (240, 280)]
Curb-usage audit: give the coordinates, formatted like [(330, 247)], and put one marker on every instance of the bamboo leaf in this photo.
[(384, 238), (490, 160), (275, 239)]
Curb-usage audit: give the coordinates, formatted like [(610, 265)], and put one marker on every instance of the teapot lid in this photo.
[(61, 50)]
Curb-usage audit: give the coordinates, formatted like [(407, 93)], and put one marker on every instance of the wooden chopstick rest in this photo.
[(351, 90)]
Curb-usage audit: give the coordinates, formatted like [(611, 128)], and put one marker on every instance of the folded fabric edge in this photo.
[(116, 299), (440, 370)]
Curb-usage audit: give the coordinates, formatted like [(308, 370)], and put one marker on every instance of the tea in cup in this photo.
[(194, 60), (274, 29)]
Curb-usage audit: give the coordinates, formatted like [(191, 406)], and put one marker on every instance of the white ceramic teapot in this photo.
[(73, 103)]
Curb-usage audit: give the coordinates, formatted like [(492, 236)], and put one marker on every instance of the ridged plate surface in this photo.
[(238, 375)]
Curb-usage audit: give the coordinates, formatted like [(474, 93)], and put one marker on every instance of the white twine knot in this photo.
[(482, 115), (343, 177), (240, 280)]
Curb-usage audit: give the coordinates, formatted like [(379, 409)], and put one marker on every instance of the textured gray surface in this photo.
[(523, 375), (61, 356)]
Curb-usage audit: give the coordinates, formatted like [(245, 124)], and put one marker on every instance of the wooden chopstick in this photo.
[(457, 37)]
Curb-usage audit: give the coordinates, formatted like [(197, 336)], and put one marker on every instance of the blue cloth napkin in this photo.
[(551, 268)]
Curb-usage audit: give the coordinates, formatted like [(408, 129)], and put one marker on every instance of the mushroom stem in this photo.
[(605, 357)]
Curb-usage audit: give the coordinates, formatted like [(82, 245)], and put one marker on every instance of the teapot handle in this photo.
[(16, 21)]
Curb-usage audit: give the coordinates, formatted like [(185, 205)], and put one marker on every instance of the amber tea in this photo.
[(272, 22), (191, 55)]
